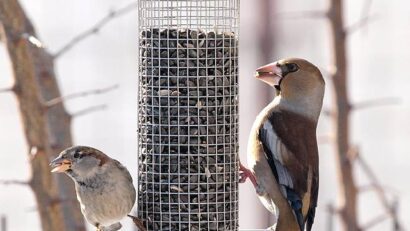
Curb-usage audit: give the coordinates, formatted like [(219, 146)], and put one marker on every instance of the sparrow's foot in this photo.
[(113, 227), (138, 222)]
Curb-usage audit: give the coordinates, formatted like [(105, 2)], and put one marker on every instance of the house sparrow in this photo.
[(103, 185), (282, 148)]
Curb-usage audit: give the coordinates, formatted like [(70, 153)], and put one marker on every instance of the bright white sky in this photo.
[(378, 57)]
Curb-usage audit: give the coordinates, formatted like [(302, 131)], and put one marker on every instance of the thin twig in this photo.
[(365, 18), (3, 222), (89, 110), (366, 8), (375, 221), (325, 139), (359, 24), (14, 182), (376, 103), (53, 203), (396, 222), (328, 72), (5, 90), (372, 187), (95, 28), (330, 217), (375, 181), (61, 99), (313, 14), (378, 188), (327, 112)]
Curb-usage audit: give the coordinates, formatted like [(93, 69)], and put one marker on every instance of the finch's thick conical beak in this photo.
[(60, 165), (270, 74)]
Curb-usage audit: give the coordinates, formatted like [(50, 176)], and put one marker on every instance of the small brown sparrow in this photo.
[(103, 185)]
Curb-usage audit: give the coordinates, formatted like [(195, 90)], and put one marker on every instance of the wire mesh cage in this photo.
[(188, 114)]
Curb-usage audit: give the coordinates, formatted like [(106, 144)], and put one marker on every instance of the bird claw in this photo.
[(245, 173), (113, 227), (243, 177)]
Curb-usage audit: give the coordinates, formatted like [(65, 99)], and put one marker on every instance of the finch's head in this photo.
[(79, 160), (299, 83), (292, 76)]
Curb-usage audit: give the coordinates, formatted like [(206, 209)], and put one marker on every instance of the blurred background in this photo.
[(376, 52)]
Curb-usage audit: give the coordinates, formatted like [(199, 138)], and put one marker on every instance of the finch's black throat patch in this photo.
[(286, 69)]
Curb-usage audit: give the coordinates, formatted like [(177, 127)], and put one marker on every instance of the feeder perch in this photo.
[(188, 114)]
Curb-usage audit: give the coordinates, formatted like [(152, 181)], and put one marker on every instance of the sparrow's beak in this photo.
[(270, 74), (60, 164)]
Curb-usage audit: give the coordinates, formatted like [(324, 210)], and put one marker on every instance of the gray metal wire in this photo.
[(188, 114)]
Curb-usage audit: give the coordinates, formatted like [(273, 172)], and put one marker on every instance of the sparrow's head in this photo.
[(297, 80), (79, 161)]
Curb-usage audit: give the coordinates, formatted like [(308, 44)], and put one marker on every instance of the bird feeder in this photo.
[(188, 114)]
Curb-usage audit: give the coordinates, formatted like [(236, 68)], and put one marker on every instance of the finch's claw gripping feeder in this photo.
[(188, 114)]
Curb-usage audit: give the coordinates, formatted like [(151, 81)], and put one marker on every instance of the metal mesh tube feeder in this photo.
[(188, 114)]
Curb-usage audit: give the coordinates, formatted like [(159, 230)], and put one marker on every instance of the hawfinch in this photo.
[(282, 149)]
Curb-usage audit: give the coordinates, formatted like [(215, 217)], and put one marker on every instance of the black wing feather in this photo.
[(312, 209)]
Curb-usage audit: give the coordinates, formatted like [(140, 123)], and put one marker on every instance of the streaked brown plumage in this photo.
[(104, 186), (282, 148)]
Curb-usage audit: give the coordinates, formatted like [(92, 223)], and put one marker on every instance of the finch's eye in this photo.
[(76, 155), (292, 67)]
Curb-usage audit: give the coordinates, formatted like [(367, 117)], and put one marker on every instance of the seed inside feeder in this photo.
[(188, 130)]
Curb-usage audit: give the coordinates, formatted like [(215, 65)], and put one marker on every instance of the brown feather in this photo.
[(298, 134), (96, 154)]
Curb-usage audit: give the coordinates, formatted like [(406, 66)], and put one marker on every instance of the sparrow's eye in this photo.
[(292, 67), (77, 155)]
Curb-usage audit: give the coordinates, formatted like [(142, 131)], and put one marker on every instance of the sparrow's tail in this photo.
[(137, 223)]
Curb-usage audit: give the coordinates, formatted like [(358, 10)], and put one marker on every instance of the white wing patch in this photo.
[(279, 152)]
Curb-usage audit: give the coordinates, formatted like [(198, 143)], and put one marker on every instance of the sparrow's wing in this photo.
[(123, 169), (289, 143)]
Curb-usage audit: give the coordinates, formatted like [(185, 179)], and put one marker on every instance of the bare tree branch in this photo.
[(48, 130), (61, 99), (341, 119), (376, 103), (89, 110), (95, 28), (14, 182), (313, 14), (32, 40)]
